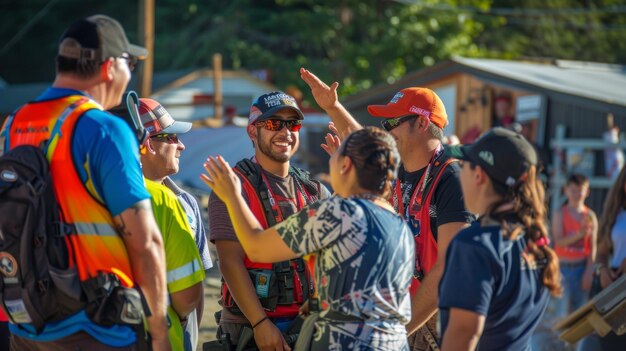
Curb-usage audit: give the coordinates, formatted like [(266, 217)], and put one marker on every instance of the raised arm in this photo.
[(259, 244), (147, 258), (326, 97)]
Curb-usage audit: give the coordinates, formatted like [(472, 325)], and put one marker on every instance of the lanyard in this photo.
[(302, 197), (415, 203)]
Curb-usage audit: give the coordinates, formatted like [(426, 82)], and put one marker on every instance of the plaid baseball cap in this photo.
[(97, 38), (157, 120), (504, 155), (413, 101), (266, 105)]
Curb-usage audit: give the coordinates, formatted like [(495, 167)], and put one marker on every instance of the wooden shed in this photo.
[(544, 94)]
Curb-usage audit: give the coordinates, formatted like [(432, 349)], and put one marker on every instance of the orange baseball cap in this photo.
[(413, 101)]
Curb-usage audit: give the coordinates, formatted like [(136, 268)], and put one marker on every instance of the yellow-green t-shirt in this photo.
[(182, 259)]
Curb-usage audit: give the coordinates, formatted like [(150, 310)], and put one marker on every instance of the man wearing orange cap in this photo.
[(427, 193)]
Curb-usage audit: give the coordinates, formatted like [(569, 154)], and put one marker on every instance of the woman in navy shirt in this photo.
[(500, 271)]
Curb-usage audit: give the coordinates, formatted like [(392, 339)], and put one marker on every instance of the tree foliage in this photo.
[(359, 43)]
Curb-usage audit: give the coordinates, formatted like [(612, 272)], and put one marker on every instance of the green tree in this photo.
[(359, 43)]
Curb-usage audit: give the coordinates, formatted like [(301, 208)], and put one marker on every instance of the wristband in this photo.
[(259, 322)]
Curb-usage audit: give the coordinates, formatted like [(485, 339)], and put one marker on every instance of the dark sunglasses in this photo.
[(392, 123), (275, 125), (131, 60), (166, 138)]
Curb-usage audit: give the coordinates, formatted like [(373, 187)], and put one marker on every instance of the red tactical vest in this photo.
[(289, 283), (426, 248)]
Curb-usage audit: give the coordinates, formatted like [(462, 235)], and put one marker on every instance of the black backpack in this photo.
[(37, 284)]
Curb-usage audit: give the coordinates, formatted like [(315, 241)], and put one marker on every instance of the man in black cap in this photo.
[(115, 242), (263, 296)]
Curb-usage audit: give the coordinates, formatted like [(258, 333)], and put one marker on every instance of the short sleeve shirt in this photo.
[(497, 282), (363, 269), (182, 259), (221, 228), (106, 155), (447, 202)]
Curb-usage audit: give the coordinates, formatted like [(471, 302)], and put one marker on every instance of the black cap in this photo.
[(504, 155), (97, 38), (266, 105)]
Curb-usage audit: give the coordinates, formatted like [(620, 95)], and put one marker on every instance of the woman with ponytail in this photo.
[(500, 271), (364, 249)]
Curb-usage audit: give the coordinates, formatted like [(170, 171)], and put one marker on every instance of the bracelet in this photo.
[(259, 322)]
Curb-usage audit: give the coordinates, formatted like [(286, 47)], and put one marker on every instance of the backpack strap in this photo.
[(438, 169), (313, 187), (4, 134), (251, 173), (83, 104)]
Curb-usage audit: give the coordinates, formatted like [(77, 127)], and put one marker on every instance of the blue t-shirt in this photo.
[(497, 282), (106, 155), (363, 271)]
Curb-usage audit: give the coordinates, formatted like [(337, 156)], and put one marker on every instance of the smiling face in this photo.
[(406, 134), (277, 146)]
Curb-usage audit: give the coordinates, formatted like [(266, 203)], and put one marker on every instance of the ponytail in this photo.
[(528, 199)]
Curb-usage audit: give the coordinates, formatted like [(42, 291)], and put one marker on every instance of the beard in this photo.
[(266, 148)]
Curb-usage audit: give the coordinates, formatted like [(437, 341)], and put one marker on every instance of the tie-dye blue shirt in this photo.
[(363, 271)]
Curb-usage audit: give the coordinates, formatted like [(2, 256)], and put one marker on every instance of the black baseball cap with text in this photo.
[(266, 105), (97, 38), (506, 156)]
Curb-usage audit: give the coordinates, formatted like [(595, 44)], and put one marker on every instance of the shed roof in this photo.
[(596, 81), (599, 82)]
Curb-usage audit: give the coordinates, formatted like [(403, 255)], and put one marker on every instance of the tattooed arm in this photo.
[(144, 245)]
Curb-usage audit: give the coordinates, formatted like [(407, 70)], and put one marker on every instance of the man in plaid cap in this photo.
[(100, 191), (160, 159), (427, 193)]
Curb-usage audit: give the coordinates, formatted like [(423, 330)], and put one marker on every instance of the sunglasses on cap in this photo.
[(392, 123), (275, 125), (166, 138)]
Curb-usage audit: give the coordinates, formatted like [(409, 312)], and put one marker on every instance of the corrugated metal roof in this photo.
[(596, 81), (238, 88)]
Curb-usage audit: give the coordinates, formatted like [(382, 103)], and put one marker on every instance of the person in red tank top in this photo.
[(574, 229)]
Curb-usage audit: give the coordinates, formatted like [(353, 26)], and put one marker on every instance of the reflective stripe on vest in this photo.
[(96, 248)]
